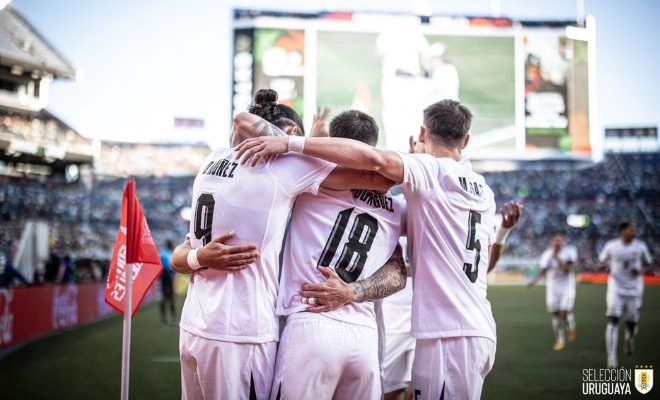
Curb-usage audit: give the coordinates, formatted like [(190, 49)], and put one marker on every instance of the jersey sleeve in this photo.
[(605, 253), (646, 254), (297, 173), (419, 170), (572, 255), (544, 262)]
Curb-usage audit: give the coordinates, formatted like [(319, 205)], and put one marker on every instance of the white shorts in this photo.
[(211, 369), (321, 358), (623, 306), (397, 363), (451, 368), (556, 300)]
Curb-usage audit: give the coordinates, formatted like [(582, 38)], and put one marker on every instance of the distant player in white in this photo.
[(334, 354), (626, 257), (558, 267), (450, 225), (229, 330)]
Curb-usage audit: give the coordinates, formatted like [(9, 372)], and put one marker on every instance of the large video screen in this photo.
[(527, 87)]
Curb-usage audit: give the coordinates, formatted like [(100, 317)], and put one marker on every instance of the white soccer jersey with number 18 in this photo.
[(624, 258), (352, 231), (255, 203), (451, 213)]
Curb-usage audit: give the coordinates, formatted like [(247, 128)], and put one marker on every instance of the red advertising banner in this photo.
[(28, 313)]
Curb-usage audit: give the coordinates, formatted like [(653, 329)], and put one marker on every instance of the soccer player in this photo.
[(625, 286), (228, 325), (349, 235), (558, 266), (450, 224)]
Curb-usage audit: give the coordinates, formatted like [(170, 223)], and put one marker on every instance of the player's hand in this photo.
[(319, 123), (261, 149), (329, 295), (635, 272), (218, 255), (511, 214)]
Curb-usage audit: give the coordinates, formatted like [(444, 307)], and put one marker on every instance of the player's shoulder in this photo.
[(639, 243)]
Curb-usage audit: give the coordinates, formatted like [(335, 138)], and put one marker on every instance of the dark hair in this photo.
[(447, 121), (266, 106), (169, 244), (624, 225), (353, 124)]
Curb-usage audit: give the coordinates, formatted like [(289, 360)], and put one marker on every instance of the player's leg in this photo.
[(633, 306), (466, 362), (212, 369), (429, 370), (614, 312), (571, 332), (309, 359), (552, 300), (397, 365), (558, 326), (191, 388), (360, 378)]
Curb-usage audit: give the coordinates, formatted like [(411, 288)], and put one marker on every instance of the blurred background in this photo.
[(91, 93)]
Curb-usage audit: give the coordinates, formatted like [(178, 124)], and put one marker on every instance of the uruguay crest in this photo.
[(644, 378)]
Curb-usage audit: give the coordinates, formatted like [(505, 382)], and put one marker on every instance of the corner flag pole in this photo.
[(126, 337)]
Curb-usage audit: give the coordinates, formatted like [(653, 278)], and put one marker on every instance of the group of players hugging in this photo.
[(323, 267)]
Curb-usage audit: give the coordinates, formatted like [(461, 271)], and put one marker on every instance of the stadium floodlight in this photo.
[(578, 220)]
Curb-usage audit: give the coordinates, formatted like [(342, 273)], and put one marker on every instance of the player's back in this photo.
[(255, 204), (352, 231), (450, 225)]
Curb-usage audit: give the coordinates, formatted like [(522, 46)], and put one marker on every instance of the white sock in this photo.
[(558, 329), (570, 319), (611, 339)]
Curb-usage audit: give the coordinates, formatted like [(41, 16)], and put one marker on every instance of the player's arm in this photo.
[(335, 293), (215, 254), (511, 212), (538, 277), (345, 178), (604, 257), (344, 152)]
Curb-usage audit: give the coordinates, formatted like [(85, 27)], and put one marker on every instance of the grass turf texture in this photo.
[(85, 363)]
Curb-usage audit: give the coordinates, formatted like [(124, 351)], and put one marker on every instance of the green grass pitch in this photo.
[(85, 363)]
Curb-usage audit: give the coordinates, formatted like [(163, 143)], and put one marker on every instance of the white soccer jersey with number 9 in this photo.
[(451, 218), (354, 232), (255, 203)]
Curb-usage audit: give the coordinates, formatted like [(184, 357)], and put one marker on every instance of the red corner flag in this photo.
[(134, 245)]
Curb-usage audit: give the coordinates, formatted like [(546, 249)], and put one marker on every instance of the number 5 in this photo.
[(472, 270)]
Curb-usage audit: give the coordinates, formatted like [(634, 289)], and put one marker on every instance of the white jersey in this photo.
[(623, 259), (451, 213), (556, 279), (353, 231), (255, 203)]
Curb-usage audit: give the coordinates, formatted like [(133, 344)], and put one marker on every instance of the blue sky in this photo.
[(144, 62)]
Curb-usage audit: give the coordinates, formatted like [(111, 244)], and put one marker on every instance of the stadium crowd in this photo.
[(83, 220)]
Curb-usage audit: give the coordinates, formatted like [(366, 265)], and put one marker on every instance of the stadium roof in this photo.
[(21, 45)]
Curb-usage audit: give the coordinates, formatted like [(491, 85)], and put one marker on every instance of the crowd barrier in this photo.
[(601, 278), (32, 312)]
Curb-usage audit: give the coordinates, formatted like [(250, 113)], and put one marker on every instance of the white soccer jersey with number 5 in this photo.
[(352, 231), (255, 203), (451, 223)]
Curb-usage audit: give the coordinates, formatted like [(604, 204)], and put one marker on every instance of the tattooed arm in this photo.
[(335, 293), (248, 125)]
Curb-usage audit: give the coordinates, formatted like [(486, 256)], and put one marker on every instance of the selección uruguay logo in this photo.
[(644, 378), (617, 381)]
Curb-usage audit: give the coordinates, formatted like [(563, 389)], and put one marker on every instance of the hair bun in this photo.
[(265, 96)]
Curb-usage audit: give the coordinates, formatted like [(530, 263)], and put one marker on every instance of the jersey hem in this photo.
[(229, 338), (451, 334)]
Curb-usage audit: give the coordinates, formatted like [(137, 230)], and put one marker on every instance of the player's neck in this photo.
[(626, 241), (438, 151)]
